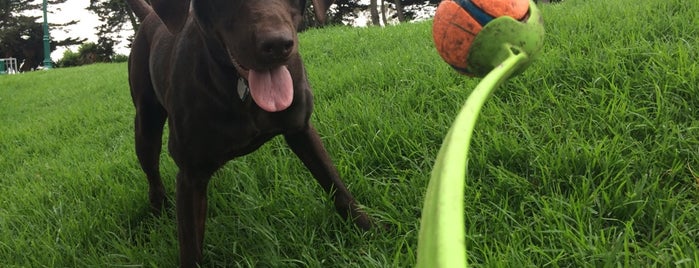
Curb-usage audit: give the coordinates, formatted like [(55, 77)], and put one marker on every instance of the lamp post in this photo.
[(47, 45)]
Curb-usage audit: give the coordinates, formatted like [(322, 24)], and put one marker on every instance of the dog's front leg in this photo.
[(191, 216), (306, 144)]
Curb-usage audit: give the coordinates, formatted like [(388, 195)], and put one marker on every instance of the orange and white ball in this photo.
[(457, 22)]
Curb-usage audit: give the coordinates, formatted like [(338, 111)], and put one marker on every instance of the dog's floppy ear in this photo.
[(321, 9), (172, 12)]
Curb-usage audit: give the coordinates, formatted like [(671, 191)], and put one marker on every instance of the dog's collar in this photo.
[(242, 72), (242, 85)]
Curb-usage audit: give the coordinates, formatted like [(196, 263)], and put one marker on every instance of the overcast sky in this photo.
[(85, 28)]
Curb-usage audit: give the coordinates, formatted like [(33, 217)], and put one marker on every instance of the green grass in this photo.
[(589, 158)]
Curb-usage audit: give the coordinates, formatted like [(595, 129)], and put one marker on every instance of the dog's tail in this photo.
[(140, 8)]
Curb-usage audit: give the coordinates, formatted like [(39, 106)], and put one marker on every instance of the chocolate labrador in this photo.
[(228, 77)]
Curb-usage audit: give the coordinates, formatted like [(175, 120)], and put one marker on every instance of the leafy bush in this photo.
[(69, 59), (120, 58), (89, 53)]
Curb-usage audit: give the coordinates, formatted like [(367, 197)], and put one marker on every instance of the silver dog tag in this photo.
[(243, 89)]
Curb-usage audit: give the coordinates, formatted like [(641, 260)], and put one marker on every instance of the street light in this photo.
[(47, 45)]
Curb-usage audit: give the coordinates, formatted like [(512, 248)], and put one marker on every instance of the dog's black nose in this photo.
[(275, 46)]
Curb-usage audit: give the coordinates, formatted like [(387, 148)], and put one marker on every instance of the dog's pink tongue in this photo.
[(273, 89)]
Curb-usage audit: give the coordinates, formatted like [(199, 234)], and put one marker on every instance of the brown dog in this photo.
[(228, 77)]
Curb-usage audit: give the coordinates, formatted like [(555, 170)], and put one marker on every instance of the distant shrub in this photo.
[(91, 53), (120, 58), (69, 59), (88, 53)]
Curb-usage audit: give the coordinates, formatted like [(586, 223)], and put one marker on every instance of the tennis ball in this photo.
[(458, 22)]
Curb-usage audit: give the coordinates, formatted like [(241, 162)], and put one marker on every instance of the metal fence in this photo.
[(8, 66)]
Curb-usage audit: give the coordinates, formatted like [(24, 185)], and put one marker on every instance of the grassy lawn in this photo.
[(589, 158)]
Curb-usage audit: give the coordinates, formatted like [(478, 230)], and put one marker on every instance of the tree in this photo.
[(346, 10), (408, 8), (399, 11), (374, 11), (21, 36), (113, 14)]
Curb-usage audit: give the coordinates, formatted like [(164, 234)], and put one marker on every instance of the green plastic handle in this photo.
[(442, 231), (503, 48)]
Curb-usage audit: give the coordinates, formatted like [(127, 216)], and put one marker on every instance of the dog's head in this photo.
[(259, 37)]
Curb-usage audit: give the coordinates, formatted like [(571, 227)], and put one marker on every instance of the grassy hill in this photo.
[(589, 158)]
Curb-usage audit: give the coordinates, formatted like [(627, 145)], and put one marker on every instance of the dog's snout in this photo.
[(275, 46)]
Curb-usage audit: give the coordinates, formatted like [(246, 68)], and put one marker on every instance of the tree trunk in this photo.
[(383, 13), (373, 10), (399, 11)]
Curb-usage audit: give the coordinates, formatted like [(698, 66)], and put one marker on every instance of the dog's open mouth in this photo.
[(272, 89)]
